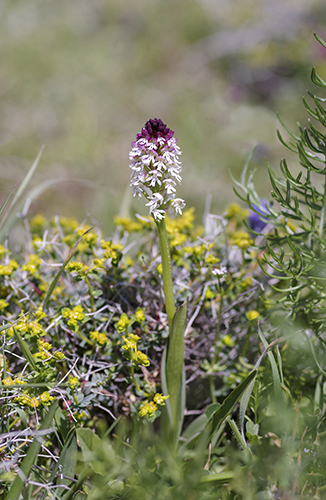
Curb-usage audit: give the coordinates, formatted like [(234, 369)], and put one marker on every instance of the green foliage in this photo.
[(95, 371), (293, 258)]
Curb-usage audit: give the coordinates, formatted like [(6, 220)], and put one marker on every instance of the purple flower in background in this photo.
[(257, 221), (156, 168)]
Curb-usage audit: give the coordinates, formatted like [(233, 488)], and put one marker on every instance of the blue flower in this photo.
[(257, 221)]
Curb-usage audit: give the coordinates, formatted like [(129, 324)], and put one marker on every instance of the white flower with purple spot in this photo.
[(156, 169)]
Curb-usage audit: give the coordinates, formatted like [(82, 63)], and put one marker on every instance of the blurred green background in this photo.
[(83, 76)]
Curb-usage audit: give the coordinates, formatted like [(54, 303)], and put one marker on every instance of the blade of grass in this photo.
[(217, 479), (62, 268), (30, 196), (247, 393), (275, 372), (8, 198), (22, 186), (69, 462), (218, 416), (25, 350)]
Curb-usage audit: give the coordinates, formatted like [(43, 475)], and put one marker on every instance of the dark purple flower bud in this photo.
[(155, 128)]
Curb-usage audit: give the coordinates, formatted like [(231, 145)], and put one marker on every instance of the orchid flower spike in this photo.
[(156, 168)]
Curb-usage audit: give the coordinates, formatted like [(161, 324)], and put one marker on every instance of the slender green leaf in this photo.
[(81, 479), (25, 350), (316, 79), (195, 427), (22, 186), (320, 40), (224, 410), (31, 195), (211, 409), (217, 478), (246, 165), (275, 373), (295, 137), (174, 367), (166, 419), (242, 442), (245, 398), (5, 327), (62, 268), (8, 198), (69, 462)]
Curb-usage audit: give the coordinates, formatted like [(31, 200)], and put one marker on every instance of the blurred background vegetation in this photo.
[(82, 77)]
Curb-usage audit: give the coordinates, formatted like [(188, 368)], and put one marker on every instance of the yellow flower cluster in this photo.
[(235, 211), (128, 224), (113, 251), (211, 260), (68, 224), (227, 340), (33, 265), (252, 315), (8, 269), (209, 294), (28, 329), (10, 381), (241, 239), (27, 400), (3, 305), (100, 338), (123, 323), (130, 345), (39, 313), (2, 252), (181, 224), (33, 402), (45, 398), (151, 407), (198, 251), (88, 241), (73, 382), (130, 342), (140, 316), (74, 315), (44, 353), (246, 282), (79, 267), (99, 263), (37, 223), (141, 358), (43, 350), (89, 238)]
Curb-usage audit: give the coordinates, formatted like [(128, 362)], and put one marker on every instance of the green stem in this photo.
[(133, 377), (91, 296), (212, 388), (247, 344), (216, 346), (217, 338), (166, 270)]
